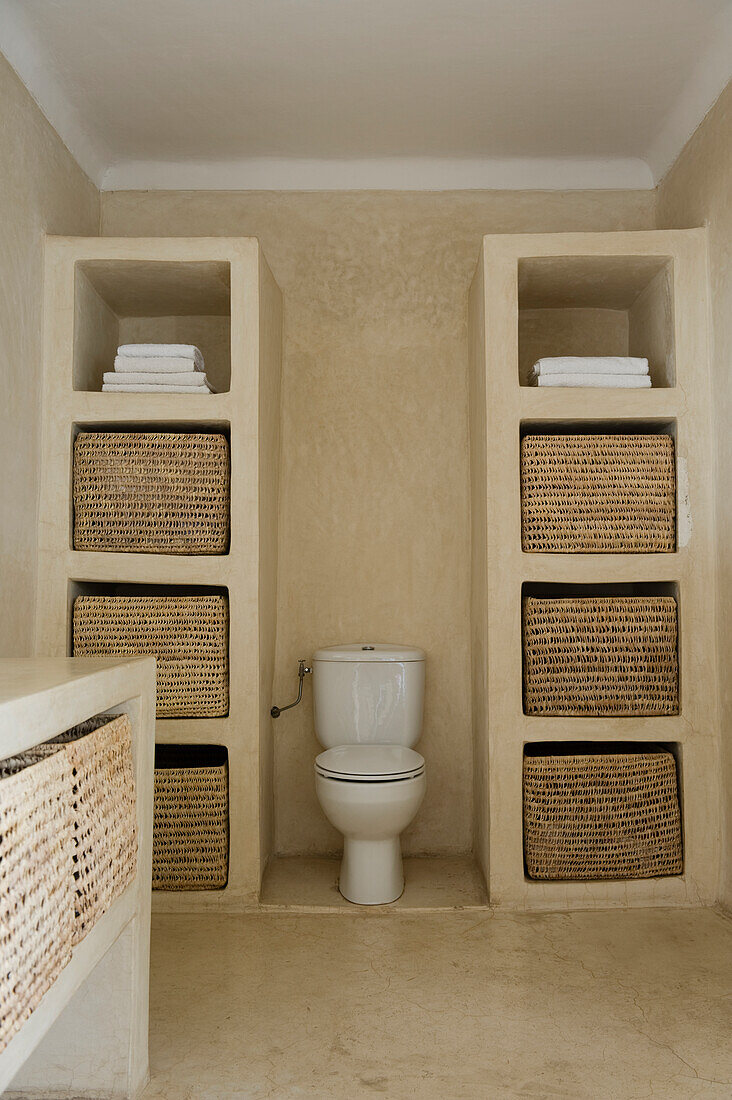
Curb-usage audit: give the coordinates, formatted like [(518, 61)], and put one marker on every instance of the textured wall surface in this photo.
[(374, 506), (698, 190), (42, 190), (374, 523)]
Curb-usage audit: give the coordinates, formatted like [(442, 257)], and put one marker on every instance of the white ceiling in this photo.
[(371, 93)]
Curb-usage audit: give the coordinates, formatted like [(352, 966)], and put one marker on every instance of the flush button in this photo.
[(367, 648)]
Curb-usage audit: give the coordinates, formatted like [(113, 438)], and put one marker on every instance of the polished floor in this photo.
[(460, 1005)]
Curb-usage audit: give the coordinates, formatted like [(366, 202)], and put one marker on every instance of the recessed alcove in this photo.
[(191, 817), (78, 588), (539, 749), (542, 658), (598, 486), (150, 301), (302, 883), (597, 305), (213, 426)]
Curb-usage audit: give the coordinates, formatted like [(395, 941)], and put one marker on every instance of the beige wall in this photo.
[(374, 531), (374, 506), (698, 190), (42, 190)]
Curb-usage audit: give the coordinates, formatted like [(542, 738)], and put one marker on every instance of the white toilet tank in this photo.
[(367, 694)]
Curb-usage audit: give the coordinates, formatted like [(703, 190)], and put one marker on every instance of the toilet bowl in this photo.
[(370, 782), (370, 793)]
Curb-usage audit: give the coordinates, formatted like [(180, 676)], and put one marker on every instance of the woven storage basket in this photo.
[(189, 636), (602, 816), (36, 882), (162, 492), (600, 656), (598, 494), (104, 813), (191, 818)]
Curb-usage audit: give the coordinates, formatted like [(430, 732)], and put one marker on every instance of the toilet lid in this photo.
[(369, 763)]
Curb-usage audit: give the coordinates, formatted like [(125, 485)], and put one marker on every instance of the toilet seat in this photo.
[(369, 763)]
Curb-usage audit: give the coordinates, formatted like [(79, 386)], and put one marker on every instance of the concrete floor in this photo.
[(460, 1005)]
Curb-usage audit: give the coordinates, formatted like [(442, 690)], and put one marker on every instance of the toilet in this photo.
[(368, 702)]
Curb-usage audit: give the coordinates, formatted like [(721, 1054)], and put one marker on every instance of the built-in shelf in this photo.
[(219, 294), (593, 569), (540, 295), (173, 409), (674, 890), (174, 569), (569, 406), (134, 301), (541, 727), (597, 305), (193, 731)]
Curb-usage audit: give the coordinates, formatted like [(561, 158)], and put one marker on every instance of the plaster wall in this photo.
[(697, 191), (374, 530), (42, 190)]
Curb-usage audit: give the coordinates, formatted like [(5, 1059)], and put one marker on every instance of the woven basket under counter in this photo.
[(595, 656), (155, 492), (598, 494), (105, 813), (191, 818), (601, 816), (36, 881), (189, 636)]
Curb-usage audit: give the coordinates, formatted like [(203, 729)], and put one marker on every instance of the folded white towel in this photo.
[(167, 351), (194, 379), (156, 364), (607, 381), (592, 364), (141, 387)]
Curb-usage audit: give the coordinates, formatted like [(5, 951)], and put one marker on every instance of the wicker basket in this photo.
[(105, 815), (161, 492), (189, 636), (598, 494), (602, 816), (191, 818), (36, 882), (600, 656)]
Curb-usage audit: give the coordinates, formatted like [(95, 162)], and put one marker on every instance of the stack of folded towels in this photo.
[(157, 368), (612, 371)]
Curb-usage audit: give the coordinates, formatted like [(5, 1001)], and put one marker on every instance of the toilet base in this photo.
[(371, 871)]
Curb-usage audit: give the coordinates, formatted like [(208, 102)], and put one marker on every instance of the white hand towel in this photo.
[(606, 381), (178, 351), (191, 380), (141, 387), (593, 364), (155, 364)]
